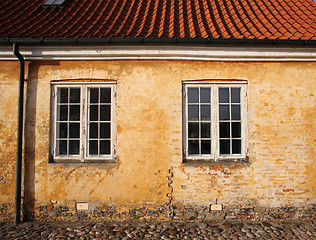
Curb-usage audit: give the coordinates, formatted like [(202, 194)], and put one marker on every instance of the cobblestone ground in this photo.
[(160, 230)]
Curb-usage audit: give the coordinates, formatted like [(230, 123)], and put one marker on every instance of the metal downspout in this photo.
[(17, 213)]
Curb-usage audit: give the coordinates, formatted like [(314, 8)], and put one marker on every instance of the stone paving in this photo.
[(160, 230)]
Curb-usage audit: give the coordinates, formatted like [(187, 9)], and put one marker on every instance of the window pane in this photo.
[(62, 113), (205, 95), (105, 113), (224, 147), (94, 95), (235, 95), (206, 147), (75, 95), (193, 147), (74, 114), (74, 147), (236, 130), (61, 147), (105, 147), (94, 112), (224, 95), (105, 130), (74, 129), (62, 130), (193, 130), (236, 146), (205, 112), (224, 112), (224, 130), (235, 112), (193, 95), (62, 95), (193, 113), (93, 130), (93, 147), (105, 95), (205, 130)]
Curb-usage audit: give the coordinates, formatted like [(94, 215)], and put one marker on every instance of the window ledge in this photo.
[(226, 161), (103, 163)]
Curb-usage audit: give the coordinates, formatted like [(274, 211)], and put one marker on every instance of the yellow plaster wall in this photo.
[(281, 130)]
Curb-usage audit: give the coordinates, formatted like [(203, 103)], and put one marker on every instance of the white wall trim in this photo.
[(199, 53)]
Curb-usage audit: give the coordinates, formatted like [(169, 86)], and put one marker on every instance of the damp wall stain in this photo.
[(281, 132)]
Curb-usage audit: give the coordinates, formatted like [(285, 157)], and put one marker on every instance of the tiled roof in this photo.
[(250, 19)]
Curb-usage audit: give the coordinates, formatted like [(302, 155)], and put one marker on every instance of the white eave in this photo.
[(198, 53)]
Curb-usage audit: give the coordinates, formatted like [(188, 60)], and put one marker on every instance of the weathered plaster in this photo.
[(281, 127)]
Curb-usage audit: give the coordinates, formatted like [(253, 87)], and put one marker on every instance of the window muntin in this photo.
[(68, 121), (229, 120), (83, 122), (199, 121), (214, 121), (99, 121)]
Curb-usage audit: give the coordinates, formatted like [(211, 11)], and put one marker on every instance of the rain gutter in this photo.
[(162, 41), (17, 210)]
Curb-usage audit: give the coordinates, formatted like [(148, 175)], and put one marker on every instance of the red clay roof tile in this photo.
[(262, 19)]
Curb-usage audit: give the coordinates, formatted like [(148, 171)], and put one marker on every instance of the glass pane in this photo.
[(62, 113), (74, 129), (206, 146), (205, 95), (94, 95), (235, 95), (236, 146), (105, 147), (193, 95), (224, 147), (74, 147), (193, 147), (75, 95), (105, 130), (235, 112), (105, 95), (205, 112), (193, 130), (224, 130), (74, 114), (61, 147), (105, 113), (93, 130), (224, 95), (94, 112), (205, 130), (93, 147), (236, 129), (224, 112), (62, 95), (193, 113), (62, 130)]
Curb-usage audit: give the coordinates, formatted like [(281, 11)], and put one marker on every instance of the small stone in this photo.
[(266, 224), (172, 231), (217, 230), (250, 235), (226, 225)]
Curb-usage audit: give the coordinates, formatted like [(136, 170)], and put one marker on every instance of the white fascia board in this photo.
[(211, 53)]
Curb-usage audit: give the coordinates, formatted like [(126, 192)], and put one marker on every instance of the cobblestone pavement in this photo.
[(160, 230)]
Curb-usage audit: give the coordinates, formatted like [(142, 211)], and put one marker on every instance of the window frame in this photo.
[(83, 156), (215, 151)]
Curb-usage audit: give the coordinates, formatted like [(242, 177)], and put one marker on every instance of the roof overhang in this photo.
[(161, 49)]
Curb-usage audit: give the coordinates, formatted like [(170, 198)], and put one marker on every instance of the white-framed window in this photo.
[(214, 121), (83, 122)]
